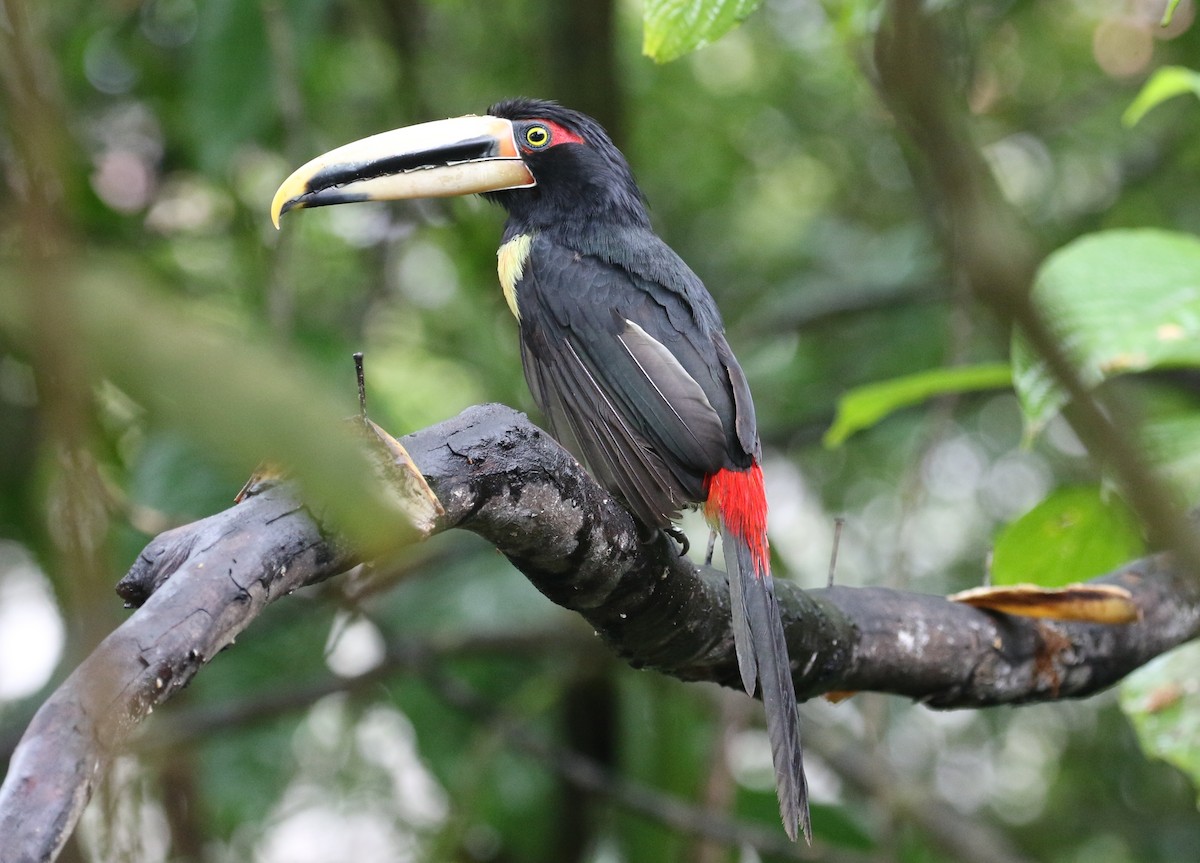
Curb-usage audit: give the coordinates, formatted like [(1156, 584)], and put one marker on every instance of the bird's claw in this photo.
[(680, 537)]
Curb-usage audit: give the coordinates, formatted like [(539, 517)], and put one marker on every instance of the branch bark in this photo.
[(501, 477)]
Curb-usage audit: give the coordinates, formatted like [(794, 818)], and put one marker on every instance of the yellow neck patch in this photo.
[(510, 264)]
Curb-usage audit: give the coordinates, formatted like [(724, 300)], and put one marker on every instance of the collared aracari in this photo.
[(623, 347)]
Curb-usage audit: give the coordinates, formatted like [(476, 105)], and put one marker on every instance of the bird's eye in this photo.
[(537, 137)]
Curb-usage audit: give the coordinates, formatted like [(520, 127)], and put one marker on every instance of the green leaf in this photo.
[(1121, 301), (1166, 83), (1162, 700), (865, 406), (673, 28), (1074, 534)]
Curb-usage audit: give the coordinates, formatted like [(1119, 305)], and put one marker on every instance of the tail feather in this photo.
[(743, 643), (766, 647), (737, 503)]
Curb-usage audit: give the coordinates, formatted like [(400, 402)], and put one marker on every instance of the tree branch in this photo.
[(223, 572), (501, 477)]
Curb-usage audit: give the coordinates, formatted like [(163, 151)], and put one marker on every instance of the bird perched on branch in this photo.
[(623, 347)]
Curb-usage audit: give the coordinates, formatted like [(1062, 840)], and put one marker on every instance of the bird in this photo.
[(623, 347)]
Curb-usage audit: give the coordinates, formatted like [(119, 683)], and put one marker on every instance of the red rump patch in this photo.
[(738, 500)]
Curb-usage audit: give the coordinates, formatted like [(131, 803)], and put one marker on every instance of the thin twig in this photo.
[(360, 377), (838, 523)]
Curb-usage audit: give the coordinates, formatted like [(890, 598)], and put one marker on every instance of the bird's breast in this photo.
[(510, 266)]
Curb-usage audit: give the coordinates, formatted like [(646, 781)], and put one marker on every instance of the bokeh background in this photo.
[(420, 710)]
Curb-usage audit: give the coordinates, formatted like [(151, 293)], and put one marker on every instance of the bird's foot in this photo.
[(680, 538)]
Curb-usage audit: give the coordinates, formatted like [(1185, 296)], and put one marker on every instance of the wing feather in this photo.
[(674, 399), (625, 371)]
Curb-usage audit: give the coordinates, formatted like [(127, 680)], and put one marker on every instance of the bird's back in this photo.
[(624, 352)]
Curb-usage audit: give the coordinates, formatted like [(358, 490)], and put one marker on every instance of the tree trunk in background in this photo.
[(584, 62)]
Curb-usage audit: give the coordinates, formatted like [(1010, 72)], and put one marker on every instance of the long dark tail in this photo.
[(737, 502)]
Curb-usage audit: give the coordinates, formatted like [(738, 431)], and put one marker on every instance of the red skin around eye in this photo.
[(560, 134)]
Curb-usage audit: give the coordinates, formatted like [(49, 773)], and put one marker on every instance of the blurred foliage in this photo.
[(203, 341)]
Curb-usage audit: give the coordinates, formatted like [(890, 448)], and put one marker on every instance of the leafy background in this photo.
[(419, 711)]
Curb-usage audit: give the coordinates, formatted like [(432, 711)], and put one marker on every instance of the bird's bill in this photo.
[(460, 156)]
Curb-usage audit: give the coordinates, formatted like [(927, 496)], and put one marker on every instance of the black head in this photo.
[(581, 175)]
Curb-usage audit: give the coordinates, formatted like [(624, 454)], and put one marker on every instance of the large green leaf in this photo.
[(1162, 699), (1074, 534), (1120, 301), (676, 27), (865, 406), (1166, 83)]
